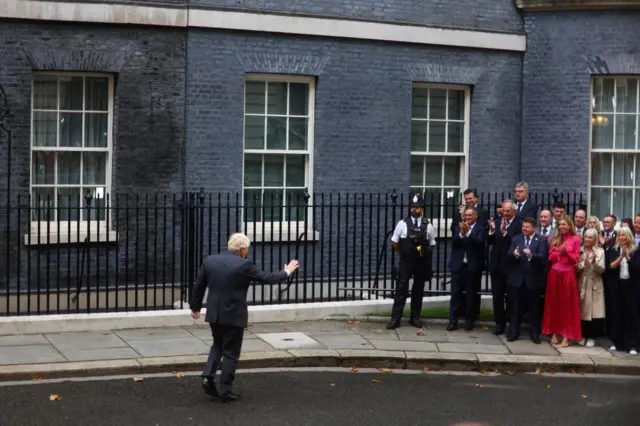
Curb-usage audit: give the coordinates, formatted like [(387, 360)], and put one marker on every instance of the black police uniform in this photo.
[(415, 261)]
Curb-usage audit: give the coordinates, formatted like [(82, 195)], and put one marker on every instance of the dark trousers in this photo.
[(609, 285), (523, 299), (463, 294), (625, 330), (499, 293), (592, 329), (418, 269), (227, 344)]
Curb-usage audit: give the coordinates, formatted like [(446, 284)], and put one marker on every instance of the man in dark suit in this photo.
[(466, 264), (500, 234), (524, 206), (528, 258), (228, 275)]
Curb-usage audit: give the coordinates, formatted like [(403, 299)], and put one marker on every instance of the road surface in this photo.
[(321, 398)]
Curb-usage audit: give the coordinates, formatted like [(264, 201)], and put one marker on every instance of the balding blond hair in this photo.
[(238, 241)]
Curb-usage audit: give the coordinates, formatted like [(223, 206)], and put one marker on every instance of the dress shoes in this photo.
[(209, 387), (415, 322), (512, 338), (393, 323), (453, 326), (229, 397), (469, 326), (535, 339), (498, 330)]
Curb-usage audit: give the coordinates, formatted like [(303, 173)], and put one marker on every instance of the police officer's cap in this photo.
[(416, 200)]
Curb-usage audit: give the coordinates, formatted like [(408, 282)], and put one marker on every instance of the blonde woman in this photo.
[(590, 269), (562, 302), (624, 259), (594, 223)]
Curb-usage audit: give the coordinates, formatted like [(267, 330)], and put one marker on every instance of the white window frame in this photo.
[(282, 230), (443, 222), (61, 232), (613, 151)]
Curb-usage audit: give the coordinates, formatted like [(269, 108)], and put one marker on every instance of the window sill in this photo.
[(100, 237), (280, 232)]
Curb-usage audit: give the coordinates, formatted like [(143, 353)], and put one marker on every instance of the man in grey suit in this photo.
[(545, 226), (228, 275)]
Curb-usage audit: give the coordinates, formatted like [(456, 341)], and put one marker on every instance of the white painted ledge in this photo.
[(259, 21), (181, 317)]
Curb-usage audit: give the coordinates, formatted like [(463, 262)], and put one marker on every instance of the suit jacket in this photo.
[(550, 232), (499, 260), (524, 271), (473, 246), (612, 241), (530, 209), (483, 218), (228, 276)]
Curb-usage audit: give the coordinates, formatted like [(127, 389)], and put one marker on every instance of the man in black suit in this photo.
[(466, 264), (528, 257), (500, 234), (228, 275), (610, 276), (524, 206), (470, 201)]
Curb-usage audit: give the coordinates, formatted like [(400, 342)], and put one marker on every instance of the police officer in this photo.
[(414, 238)]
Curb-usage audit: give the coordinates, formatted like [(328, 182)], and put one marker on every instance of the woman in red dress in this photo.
[(562, 301)]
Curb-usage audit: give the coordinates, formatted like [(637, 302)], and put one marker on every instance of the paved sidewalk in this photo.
[(348, 343)]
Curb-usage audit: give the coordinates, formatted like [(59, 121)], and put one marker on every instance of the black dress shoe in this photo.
[(209, 387), (498, 331), (535, 339), (393, 323), (415, 322), (452, 327), (229, 396), (512, 338), (469, 326)]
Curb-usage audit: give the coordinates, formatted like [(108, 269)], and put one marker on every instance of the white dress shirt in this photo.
[(401, 231)]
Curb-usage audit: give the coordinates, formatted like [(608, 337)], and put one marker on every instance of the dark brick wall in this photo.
[(498, 15), (561, 56)]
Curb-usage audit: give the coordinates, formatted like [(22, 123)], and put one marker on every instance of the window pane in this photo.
[(417, 171), (419, 101), (602, 131), (433, 197), (98, 203), (451, 197), (97, 94), (295, 171), (252, 170), (274, 170), (600, 169), (625, 131), (600, 202), (623, 202), (273, 202), (296, 206), (623, 170), (95, 130), (252, 203), (277, 98), (69, 168), (254, 97), (456, 105), (298, 99), (43, 202), (94, 165), (45, 128), (433, 171), (452, 167), (254, 132), (455, 137), (603, 90), (276, 133), (438, 103), (43, 168), (298, 133), (71, 129), (437, 136), (626, 94), (419, 136), (45, 92), (69, 203), (71, 93)]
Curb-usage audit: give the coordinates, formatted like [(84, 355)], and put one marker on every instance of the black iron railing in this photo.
[(141, 252)]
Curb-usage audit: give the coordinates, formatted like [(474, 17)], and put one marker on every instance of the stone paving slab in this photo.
[(169, 347), (85, 340), (30, 355), (25, 340)]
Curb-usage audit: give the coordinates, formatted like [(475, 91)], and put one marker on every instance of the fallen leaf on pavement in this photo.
[(54, 397), (138, 379), (349, 322), (478, 385), (483, 372), (37, 379), (384, 370), (584, 396), (449, 373), (548, 386), (357, 322), (180, 375), (364, 344), (331, 384), (376, 381), (354, 369), (510, 373), (420, 333), (538, 371), (484, 327), (426, 370), (249, 324)]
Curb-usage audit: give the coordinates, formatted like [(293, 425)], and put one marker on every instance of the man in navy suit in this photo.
[(500, 234), (528, 259), (524, 206), (466, 263)]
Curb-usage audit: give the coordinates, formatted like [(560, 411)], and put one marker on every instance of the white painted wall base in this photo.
[(181, 317)]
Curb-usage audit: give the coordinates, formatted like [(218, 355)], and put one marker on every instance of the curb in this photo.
[(384, 319), (438, 361)]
